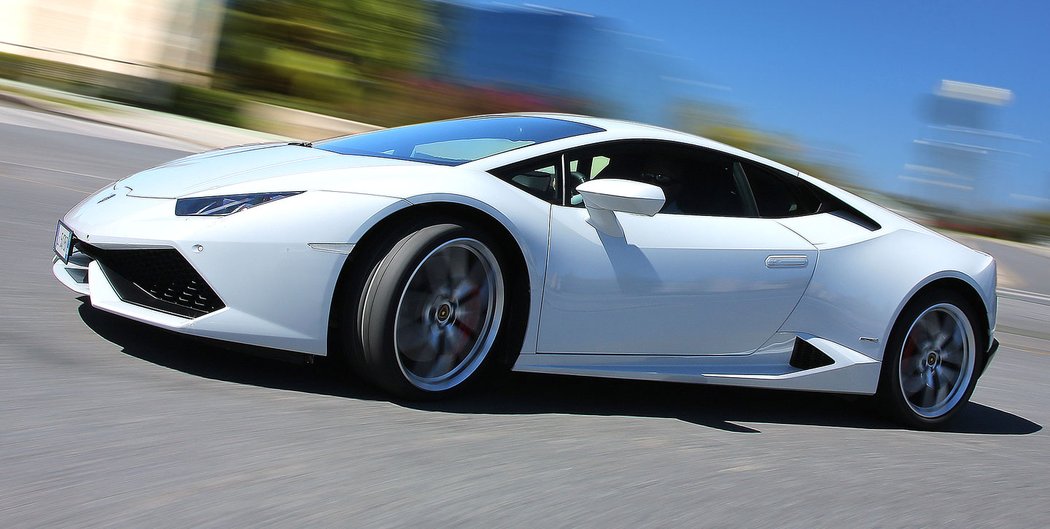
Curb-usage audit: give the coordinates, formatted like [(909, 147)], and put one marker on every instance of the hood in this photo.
[(210, 170)]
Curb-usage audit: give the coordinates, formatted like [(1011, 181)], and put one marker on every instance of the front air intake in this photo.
[(160, 279)]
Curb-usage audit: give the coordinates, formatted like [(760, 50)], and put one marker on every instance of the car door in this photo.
[(704, 276)]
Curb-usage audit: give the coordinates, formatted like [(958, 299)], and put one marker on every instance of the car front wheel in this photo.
[(431, 311)]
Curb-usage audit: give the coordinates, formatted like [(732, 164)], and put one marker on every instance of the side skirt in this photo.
[(848, 372)]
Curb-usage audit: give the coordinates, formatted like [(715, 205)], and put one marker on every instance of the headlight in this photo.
[(226, 204)]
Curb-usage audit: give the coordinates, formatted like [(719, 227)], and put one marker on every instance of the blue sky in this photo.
[(849, 77)]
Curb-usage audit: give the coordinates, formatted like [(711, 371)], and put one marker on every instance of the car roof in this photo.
[(617, 129), (604, 123)]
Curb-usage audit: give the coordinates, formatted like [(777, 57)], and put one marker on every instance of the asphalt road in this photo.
[(107, 422)]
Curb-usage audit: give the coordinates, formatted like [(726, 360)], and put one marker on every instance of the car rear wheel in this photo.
[(431, 311), (929, 368)]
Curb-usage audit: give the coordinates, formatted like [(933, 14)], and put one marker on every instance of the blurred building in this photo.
[(555, 54), (960, 162), (510, 57), (171, 40)]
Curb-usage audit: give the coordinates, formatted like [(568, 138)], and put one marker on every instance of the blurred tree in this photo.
[(1037, 226), (336, 52)]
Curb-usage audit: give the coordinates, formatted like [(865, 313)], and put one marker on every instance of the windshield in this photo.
[(457, 141)]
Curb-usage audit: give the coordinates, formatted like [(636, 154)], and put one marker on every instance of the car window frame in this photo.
[(701, 150), (513, 169), (828, 202), (825, 201)]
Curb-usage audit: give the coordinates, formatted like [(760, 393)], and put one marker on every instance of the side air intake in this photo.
[(805, 356)]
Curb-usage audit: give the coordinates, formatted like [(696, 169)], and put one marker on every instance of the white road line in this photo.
[(56, 170), (88, 192)]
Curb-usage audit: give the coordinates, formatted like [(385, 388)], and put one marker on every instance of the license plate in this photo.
[(63, 242)]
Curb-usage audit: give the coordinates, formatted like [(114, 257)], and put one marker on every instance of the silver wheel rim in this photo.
[(448, 315), (937, 360)]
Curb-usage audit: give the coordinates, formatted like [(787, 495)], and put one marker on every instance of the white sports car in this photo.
[(430, 254)]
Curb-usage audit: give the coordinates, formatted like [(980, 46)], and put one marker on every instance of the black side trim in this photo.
[(988, 357), (805, 356), (849, 213)]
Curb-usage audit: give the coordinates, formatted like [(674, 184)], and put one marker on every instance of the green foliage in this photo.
[(1038, 225), (337, 52), (197, 102), (207, 104)]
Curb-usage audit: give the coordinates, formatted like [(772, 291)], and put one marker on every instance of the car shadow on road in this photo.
[(723, 408)]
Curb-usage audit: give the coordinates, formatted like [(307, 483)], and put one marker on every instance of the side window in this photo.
[(779, 195), (713, 189), (695, 181), (539, 178), (461, 151)]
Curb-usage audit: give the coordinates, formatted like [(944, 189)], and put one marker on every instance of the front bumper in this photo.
[(272, 288)]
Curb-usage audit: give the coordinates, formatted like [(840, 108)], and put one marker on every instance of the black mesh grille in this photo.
[(159, 279)]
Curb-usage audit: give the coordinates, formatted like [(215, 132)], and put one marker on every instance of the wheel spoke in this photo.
[(477, 271), (949, 323), (411, 340), (939, 340), (936, 327), (459, 341), (926, 397), (467, 330), (459, 261), (928, 326), (425, 346), (919, 365), (436, 271), (955, 342), (441, 343), (942, 390), (949, 376), (948, 330), (912, 384), (465, 291), (413, 303), (447, 315), (441, 365)]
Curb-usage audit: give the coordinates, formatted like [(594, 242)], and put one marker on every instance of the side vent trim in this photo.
[(858, 218), (805, 356)]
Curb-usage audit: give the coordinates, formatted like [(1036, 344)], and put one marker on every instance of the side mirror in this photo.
[(604, 197)]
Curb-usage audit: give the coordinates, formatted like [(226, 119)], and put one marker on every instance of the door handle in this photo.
[(787, 261)]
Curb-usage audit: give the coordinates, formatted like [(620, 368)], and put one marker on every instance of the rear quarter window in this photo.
[(778, 195)]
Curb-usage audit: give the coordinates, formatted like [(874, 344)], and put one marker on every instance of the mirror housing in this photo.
[(627, 196), (606, 196)]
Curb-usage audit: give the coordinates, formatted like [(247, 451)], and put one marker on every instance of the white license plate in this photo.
[(63, 242)]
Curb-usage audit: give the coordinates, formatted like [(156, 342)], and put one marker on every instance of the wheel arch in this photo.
[(891, 394), (961, 285), (351, 279)]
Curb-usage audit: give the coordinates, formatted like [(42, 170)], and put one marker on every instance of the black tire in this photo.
[(431, 311), (936, 335)]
